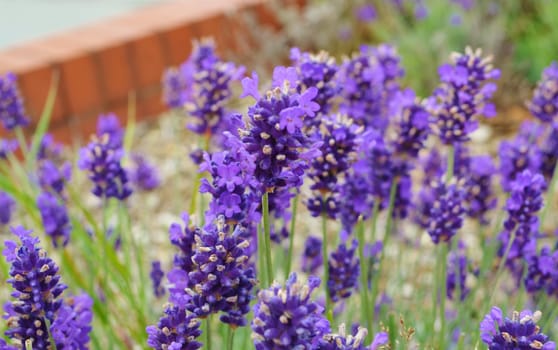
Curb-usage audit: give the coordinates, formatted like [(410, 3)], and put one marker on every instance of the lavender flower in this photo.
[(110, 125), (344, 271), (183, 238), (7, 205), (366, 13), (220, 278), (317, 71), (480, 196), (542, 272), (177, 330), (525, 201), (549, 150), (355, 200), (463, 95), (412, 123), (457, 273), (7, 147), (445, 211), (157, 275), (203, 87), (54, 178), (144, 175), (54, 215), (12, 110), (49, 149), (312, 256), (544, 104), (286, 318), (519, 332), (37, 293), (105, 171), (342, 341), (339, 140), (516, 156), (71, 328), (274, 137)]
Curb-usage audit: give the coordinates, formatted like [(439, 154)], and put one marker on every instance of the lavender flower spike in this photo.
[(177, 330), (37, 293), (446, 212), (12, 111), (519, 332), (54, 215), (544, 104), (344, 270), (285, 318), (7, 205)]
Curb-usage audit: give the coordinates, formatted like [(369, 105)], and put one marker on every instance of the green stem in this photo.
[(328, 310), (550, 320), (444, 248), (451, 162), (22, 142), (267, 238), (208, 333), (549, 196), (366, 311), (387, 233), (500, 269), (230, 339), (375, 211), (291, 237), (50, 338)]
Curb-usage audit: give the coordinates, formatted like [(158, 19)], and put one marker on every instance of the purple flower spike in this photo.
[(250, 86), (366, 13), (519, 332), (177, 330), (480, 194), (54, 215), (37, 297), (342, 341), (344, 271), (457, 273), (463, 95), (542, 272), (7, 147), (412, 123), (110, 125), (312, 256), (7, 205), (526, 199), (445, 211), (285, 318), (144, 175), (103, 164), (157, 275), (12, 111), (54, 178), (544, 104)]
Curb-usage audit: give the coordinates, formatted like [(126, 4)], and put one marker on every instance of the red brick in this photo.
[(35, 86), (149, 105), (178, 44), (148, 60), (116, 74), (214, 27), (81, 84)]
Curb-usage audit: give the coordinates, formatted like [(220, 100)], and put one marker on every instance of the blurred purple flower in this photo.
[(12, 110)]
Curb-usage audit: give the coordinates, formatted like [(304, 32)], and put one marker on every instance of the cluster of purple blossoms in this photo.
[(549, 150), (274, 137), (12, 111), (317, 71), (312, 258), (183, 238), (444, 210), (339, 139), (53, 178), (54, 215), (7, 147), (525, 200), (518, 155), (144, 175), (157, 275), (412, 123), (480, 196), (7, 205), (177, 330), (456, 289), (203, 86), (38, 300), (544, 104), (49, 149), (220, 278), (286, 318), (355, 200), (519, 332), (463, 95), (354, 341), (103, 164), (542, 272), (233, 185), (110, 125), (344, 271), (368, 80)]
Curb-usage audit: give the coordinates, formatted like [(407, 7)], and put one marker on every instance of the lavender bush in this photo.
[(333, 208)]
